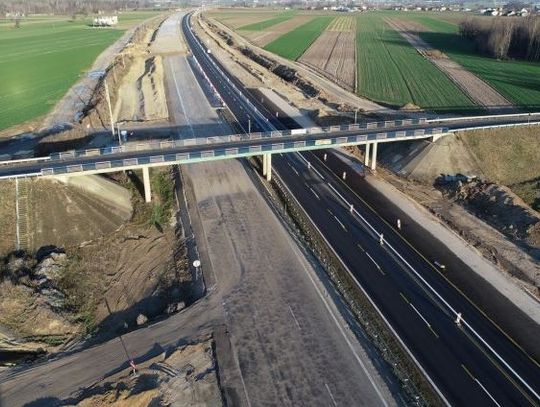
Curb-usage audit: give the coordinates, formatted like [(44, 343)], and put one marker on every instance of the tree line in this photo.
[(504, 37), (69, 6)]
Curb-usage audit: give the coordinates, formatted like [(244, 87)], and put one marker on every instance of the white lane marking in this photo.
[(338, 221), (181, 99), (435, 292), (314, 193), (373, 260), (294, 169), (487, 392), (341, 330), (294, 317), (420, 315), (330, 393)]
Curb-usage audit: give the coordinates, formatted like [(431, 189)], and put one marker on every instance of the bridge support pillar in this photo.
[(366, 155), (374, 157), (268, 168), (264, 159), (146, 183)]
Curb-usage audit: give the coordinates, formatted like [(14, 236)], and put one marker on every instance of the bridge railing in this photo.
[(239, 151), (172, 144)]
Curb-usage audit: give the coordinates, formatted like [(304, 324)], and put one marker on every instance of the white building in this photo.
[(105, 21)]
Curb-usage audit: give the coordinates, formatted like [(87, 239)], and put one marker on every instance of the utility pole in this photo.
[(249, 125), (107, 95)]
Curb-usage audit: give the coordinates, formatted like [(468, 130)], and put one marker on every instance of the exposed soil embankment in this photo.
[(75, 284), (286, 79), (130, 71), (500, 207), (185, 376)]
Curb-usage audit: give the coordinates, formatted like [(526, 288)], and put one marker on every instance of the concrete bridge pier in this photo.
[(267, 166), (374, 157), (146, 183), (366, 155)]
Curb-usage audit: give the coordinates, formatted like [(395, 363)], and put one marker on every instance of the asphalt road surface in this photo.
[(471, 363)]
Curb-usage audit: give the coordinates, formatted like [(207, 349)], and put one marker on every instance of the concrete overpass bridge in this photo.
[(144, 155)]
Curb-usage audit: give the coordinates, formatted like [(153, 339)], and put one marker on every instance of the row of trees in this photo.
[(504, 38), (68, 7)]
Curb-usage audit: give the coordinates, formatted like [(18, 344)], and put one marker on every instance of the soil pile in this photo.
[(499, 206), (186, 377), (410, 107)]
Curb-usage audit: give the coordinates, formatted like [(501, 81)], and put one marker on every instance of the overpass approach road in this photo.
[(471, 362)]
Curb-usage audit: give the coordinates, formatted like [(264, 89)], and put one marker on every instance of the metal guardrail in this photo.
[(242, 151), (493, 116), (172, 144), (24, 160), (497, 126)]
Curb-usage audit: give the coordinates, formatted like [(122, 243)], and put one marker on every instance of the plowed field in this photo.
[(334, 54)]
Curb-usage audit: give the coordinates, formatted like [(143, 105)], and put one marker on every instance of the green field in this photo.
[(518, 81), (43, 58), (391, 71), (294, 43), (263, 25)]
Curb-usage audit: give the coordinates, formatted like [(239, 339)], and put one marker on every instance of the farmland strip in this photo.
[(518, 81), (391, 71), (477, 89), (263, 25), (262, 38), (293, 44)]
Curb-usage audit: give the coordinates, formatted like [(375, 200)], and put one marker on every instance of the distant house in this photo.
[(105, 21)]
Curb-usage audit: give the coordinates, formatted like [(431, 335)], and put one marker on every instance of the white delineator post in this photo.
[(146, 183)]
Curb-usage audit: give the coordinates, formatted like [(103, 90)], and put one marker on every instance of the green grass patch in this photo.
[(391, 71), (294, 43), (43, 58), (518, 81), (529, 192), (263, 25)]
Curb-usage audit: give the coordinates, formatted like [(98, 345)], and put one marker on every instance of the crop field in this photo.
[(342, 24), (43, 58), (294, 43), (391, 71), (519, 81), (334, 52), (263, 25)]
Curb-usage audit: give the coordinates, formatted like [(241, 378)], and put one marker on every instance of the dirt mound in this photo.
[(499, 206), (186, 377), (141, 96), (436, 54), (31, 302), (284, 72), (410, 107)]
